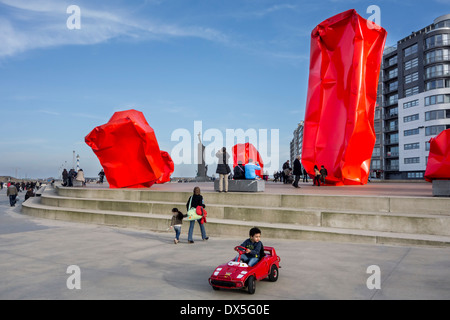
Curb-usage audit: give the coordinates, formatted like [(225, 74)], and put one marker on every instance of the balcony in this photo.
[(392, 168), (437, 43), (390, 154), (435, 74), (436, 59)]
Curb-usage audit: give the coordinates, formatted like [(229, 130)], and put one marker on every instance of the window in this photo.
[(427, 145), (411, 118), (411, 146), (436, 84), (411, 104), (437, 56), (393, 99), (411, 91), (437, 71), (410, 50), (437, 114), (392, 125), (411, 63), (437, 40), (434, 130), (412, 77), (437, 99), (412, 160), (411, 132), (415, 175), (392, 73), (376, 164), (376, 152), (392, 61), (393, 86)]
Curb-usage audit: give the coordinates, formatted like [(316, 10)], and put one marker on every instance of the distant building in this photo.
[(415, 100), (296, 142)]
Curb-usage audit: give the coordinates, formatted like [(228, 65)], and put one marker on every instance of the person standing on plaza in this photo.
[(223, 169), (12, 193), (297, 171), (80, 177), (101, 176), (65, 177), (316, 176), (286, 171), (323, 174), (193, 202), (305, 175)]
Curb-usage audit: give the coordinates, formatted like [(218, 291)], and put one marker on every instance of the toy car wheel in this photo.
[(215, 288), (251, 284), (273, 275)]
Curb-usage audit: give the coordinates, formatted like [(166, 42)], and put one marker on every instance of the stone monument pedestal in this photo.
[(441, 188), (243, 185)]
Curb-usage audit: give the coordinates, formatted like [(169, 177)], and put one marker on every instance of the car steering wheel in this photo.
[(240, 249)]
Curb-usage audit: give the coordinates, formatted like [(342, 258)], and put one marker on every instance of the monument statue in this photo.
[(201, 166)]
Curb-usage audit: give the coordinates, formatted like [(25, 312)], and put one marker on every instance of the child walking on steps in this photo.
[(177, 220)]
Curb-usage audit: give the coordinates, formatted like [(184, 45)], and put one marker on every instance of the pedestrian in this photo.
[(101, 176), (316, 176), (80, 177), (223, 169), (286, 172), (65, 177), (297, 171), (176, 222), (323, 174), (250, 169), (12, 193), (72, 175), (193, 202), (305, 175)]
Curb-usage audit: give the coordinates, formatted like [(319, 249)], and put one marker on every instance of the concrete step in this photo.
[(419, 205), (229, 227), (391, 222), (288, 223)]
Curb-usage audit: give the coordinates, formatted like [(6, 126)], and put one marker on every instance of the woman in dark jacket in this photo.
[(197, 200), (223, 169)]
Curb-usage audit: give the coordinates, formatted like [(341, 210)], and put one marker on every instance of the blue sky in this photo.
[(232, 64)]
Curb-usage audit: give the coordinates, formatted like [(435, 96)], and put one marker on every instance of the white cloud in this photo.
[(42, 24)]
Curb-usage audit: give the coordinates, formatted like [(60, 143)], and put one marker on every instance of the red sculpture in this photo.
[(245, 151), (129, 152), (438, 165), (167, 169), (346, 53)]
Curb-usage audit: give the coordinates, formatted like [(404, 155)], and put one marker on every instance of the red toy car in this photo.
[(238, 275)]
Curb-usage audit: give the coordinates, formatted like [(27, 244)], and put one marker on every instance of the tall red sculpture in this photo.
[(438, 165), (245, 151), (346, 53), (128, 151)]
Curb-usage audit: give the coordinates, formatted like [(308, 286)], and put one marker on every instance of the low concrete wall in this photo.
[(242, 185), (441, 188)]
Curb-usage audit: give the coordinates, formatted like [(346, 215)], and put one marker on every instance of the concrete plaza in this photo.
[(119, 263)]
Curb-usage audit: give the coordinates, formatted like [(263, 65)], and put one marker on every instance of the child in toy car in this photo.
[(253, 247)]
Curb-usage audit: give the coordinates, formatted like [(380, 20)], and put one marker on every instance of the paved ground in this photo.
[(134, 264)]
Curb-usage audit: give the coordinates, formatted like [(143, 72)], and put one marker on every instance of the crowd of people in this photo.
[(14, 188), (293, 175)]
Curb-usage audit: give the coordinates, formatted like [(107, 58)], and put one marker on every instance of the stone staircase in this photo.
[(417, 221)]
